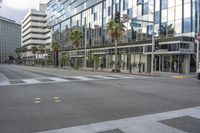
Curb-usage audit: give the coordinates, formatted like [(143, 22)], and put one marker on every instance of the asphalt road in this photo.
[(85, 102)]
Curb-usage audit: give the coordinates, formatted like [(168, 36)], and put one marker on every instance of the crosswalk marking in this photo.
[(67, 79), (139, 124), (59, 79), (31, 81), (82, 78)]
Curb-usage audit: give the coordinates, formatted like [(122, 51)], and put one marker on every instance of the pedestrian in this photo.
[(130, 67), (101, 65)]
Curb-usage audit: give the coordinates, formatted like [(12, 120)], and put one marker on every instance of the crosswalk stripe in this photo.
[(4, 83), (103, 77), (67, 79), (31, 81), (59, 79), (82, 78)]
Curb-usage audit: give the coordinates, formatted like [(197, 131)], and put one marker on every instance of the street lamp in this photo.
[(140, 2), (85, 57)]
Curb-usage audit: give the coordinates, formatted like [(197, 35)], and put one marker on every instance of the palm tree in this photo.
[(115, 31), (42, 51), (23, 50), (34, 50), (55, 47), (76, 37), (64, 58), (166, 30), (18, 51)]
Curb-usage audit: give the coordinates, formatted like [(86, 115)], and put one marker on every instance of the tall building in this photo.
[(175, 23), (10, 38), (35, 30)]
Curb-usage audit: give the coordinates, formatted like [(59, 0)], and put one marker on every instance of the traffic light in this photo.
[(157, 46), (117, 17)]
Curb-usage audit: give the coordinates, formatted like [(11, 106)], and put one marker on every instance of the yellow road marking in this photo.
[(178, 77)]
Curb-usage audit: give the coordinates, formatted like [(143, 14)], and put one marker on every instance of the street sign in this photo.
[(125, 17), (133, 24), (197, 36)]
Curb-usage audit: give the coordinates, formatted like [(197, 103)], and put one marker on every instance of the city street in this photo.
[(53, 100)]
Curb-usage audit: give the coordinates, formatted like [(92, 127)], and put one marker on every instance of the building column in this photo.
[(186, 64)]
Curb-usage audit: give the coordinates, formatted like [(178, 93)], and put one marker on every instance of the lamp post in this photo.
[(85, 57), (140, 2)]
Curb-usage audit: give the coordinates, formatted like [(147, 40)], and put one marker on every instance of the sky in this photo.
[(17, 9)]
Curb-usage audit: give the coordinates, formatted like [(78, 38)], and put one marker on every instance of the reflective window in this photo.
[(187, 25), (164, 4)]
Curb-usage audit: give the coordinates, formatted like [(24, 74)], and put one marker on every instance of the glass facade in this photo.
[(173, 18)]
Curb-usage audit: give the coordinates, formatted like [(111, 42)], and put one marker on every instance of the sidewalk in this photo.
[(156, 74)]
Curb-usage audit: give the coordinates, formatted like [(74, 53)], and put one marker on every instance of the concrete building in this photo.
[(176, 23), (35, 30), (10, 39)]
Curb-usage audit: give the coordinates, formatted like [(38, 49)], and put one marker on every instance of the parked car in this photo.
[(198, 73)]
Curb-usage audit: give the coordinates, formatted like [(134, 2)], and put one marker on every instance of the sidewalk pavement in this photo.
[(156, 74)]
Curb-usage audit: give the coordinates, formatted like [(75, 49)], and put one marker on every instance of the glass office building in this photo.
[(10, 39), (176, 22)]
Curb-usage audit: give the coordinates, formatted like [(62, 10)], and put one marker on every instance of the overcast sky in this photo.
[(17, 9)]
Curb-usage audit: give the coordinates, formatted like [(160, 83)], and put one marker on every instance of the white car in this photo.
[(198, 73)]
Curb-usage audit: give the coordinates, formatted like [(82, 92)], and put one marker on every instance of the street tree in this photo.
[(34, 50), (55, 47), (64, 58), (42, 51), (115, 30), (24, 50), (76, 37)]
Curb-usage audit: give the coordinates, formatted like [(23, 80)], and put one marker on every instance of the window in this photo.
[(187, 25), (157, 17), (145, 9), (164, 4)]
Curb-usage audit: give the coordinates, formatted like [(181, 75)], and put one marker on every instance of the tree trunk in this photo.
[(116, 57), (76, 59)]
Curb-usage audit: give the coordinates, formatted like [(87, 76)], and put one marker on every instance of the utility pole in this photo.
[(85, 58), (140, 2), (1, 35), (197, 36)]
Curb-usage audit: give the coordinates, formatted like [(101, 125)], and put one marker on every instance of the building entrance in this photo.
[(169, 63)]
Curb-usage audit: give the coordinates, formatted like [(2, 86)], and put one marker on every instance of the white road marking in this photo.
[(79, 78), (4, 83), (82, 78), (59, 79), (31, 81), (103, 77), (140, 124), (3, 77)]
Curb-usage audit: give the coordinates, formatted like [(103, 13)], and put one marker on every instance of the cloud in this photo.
[(23, 4), (17, 9)]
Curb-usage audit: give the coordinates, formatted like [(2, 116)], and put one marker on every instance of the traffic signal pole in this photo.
[(153, 48)]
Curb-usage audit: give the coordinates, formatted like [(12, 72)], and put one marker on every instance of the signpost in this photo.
[(125, 18), (197, 56), (134, 24)]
